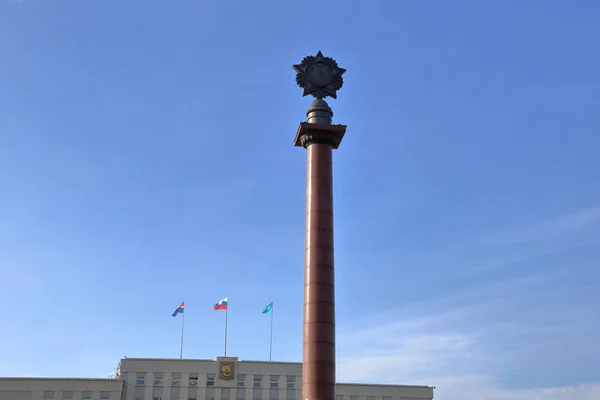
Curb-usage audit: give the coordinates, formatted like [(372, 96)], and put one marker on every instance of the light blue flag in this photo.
[(268, 309)]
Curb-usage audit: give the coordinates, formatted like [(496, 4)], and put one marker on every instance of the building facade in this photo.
[(60, 389), (225, 378), (228, 378)]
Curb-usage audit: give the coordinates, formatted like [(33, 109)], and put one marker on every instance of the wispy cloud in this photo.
[(500, 247), (455, 387), (443, 361), (560, 227), (488, 340), (458, 309), (409, 357), (562, 233), (480, 387)]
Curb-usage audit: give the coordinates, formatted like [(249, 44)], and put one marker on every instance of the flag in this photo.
[(268, 309), (221, 305), (178, 309)]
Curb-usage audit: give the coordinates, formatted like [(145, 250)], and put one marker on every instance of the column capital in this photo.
[(318, 133)]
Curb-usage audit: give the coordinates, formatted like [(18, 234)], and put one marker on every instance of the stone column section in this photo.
[(319, 138)]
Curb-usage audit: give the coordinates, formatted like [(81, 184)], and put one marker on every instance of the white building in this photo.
[(225, 378), (60, 388), (228, 378)]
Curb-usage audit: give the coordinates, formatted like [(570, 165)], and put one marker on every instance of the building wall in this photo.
[(169, 379), (59, 389), (174, 379)]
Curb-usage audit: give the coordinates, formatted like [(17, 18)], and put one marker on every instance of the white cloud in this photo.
[(407, 356), (449, 350), (476, 387), (464, 342), (410, 362)]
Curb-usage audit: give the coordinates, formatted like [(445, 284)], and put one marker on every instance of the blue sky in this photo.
[(146, 158)]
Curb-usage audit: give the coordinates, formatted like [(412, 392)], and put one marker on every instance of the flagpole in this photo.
[(181, 349), (271, 341), (226, 312)]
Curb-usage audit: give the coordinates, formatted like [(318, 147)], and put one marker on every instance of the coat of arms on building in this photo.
[(226, 370)]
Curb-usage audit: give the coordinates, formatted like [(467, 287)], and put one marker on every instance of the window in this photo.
[(140, 379), (339, 397), (210, 380), (240, 395), (105, 395), (87, 395), (353, 397), (241, 380), (68, 394), (274, 381), (387, 398), (158, 378), (370, 397), (139, 398), (48, 394), (291, 382), (157, 398), (176, 380), (193, 381), (257, 381)]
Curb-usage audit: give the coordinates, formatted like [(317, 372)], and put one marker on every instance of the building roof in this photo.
[(26, 378)]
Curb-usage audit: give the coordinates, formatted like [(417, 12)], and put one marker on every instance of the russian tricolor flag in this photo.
[(221, 305)]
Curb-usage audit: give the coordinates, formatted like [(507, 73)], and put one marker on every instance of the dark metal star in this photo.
[(319, 76)]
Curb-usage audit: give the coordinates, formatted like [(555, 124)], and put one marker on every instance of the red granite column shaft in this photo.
[(318, 366)]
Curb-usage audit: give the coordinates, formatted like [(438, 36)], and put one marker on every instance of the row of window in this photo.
[(353, 397), (174, 398), (210, 380), (337, 397), (68, 395)]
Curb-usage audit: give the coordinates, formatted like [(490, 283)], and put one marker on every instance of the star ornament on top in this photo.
[(319, 76)]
